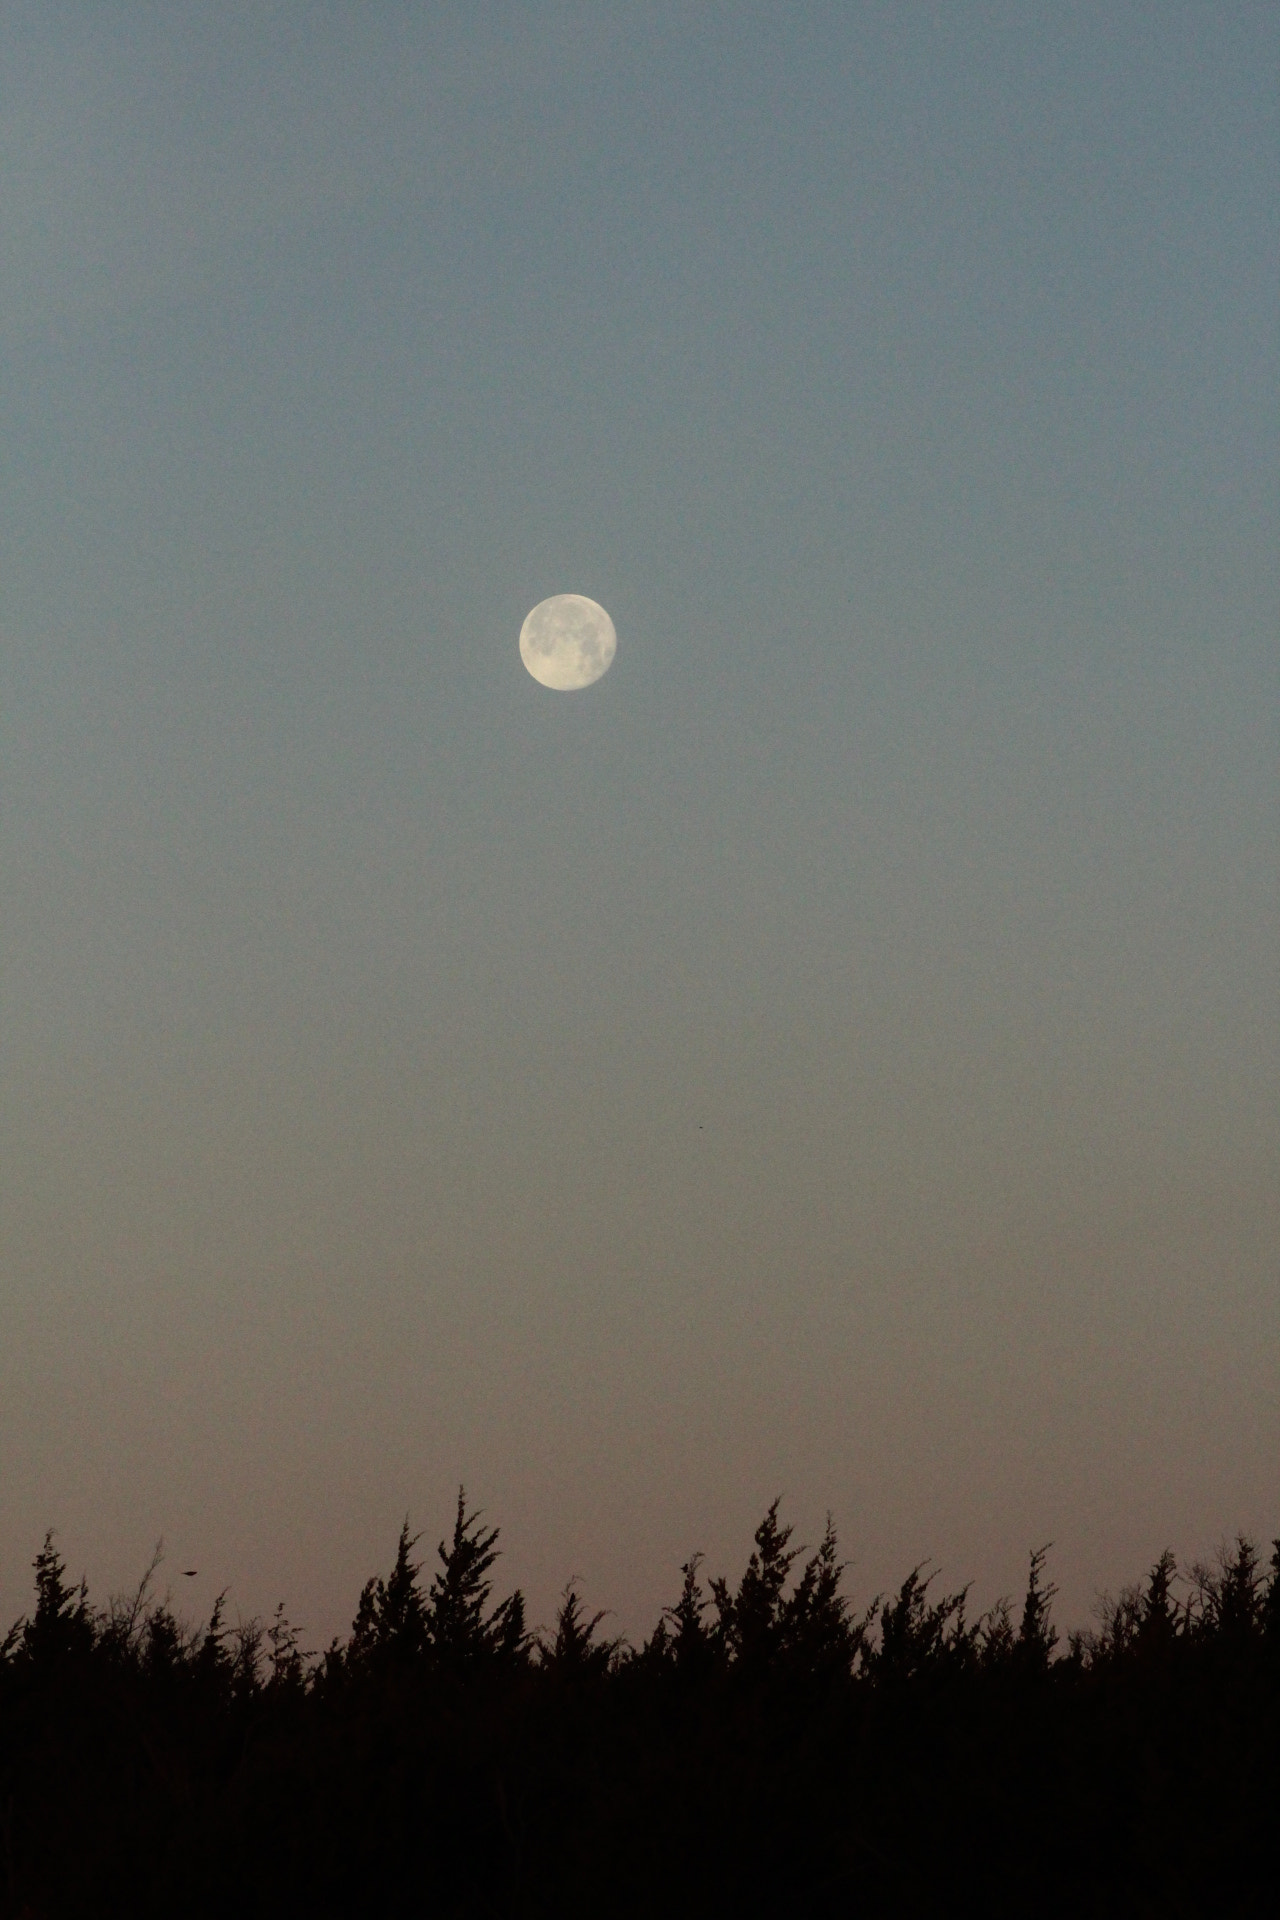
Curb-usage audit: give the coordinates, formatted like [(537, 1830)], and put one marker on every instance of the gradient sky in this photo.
[(837, 1055)]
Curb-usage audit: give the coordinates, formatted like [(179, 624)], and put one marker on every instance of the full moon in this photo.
[(567, 642)]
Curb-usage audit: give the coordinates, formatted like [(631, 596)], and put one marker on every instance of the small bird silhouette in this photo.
[(189, 1573)]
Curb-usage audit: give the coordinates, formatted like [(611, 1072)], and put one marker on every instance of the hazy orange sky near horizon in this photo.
[(835, 1056)]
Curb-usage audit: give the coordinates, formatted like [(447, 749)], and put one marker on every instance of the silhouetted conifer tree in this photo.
[(286, 1665), (817, 1629), (1160, 1617), (462, 1631), (918, 1639), (1232, 1594), (1271, 1604), (61, 1628), (574, 1652), (691, 1646), (752, 1622), (996, 1641), (390, 1626), (1037, 1636)]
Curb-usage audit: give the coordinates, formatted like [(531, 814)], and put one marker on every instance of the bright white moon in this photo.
[(567, 642)]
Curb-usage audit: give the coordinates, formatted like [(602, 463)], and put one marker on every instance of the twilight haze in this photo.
[(836, 1056)]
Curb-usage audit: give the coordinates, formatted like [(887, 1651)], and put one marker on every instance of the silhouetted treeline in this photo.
[(767, 1751)]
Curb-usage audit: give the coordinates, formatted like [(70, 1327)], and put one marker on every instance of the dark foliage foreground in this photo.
[(767, 1752)]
